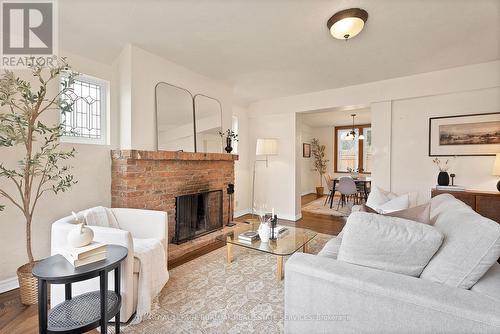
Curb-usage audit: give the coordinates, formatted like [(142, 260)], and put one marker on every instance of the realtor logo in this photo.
[(28, 32)]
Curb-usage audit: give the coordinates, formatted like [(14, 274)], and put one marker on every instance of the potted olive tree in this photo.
[(39, 168), (320, 161)]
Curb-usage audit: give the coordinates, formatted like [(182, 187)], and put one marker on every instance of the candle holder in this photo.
[(274, 223), (452, 175)]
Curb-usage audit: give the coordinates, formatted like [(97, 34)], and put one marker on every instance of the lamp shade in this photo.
[(267, 146), (496, 166)]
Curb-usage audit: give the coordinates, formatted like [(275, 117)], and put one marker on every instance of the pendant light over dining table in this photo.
[(347, 23), (352, 134)]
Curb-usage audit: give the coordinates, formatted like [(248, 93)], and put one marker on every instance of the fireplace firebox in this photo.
[(197, 214)]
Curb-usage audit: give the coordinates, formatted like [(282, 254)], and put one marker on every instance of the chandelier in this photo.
[(352, 134)]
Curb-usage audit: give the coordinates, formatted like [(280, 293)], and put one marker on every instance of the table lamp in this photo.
[(496, 169), (266, 147)]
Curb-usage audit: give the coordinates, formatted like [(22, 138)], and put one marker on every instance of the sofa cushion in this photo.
[(471, 245), (388, 243), (331, 248), (489, 284)]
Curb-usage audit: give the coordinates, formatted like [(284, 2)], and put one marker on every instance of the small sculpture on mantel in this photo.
[(230, 137)]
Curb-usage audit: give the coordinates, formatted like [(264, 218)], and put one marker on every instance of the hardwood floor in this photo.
[(16, 318)]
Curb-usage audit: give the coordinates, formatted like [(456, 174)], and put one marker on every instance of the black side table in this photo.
[(86, 311)]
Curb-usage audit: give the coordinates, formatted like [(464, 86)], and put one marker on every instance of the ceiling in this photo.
[(271, 48), (335, 117)]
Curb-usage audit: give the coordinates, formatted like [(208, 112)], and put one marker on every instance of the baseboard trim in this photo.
[(292, 218), (313, 191), (9, 284), (242, 212)]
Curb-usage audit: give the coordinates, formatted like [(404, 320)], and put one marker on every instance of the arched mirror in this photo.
[(174, 118), (208, 122)]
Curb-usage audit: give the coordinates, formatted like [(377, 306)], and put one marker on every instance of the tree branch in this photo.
[(4, 194)]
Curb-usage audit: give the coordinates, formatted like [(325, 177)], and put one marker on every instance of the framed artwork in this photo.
[(306, 150), (464, 135)]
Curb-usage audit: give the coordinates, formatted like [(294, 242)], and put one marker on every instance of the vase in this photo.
[(264, 232), (443, 179), (80, 236), (228, 147), (319, 191)]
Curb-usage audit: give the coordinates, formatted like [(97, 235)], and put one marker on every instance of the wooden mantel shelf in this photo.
[(170, 155)]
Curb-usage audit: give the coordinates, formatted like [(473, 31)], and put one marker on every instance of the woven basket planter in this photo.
[(28, 284)]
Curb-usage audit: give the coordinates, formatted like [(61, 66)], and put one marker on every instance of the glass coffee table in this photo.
[(290, 241)]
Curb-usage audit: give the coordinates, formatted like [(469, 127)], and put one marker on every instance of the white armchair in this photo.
[(134, 223)]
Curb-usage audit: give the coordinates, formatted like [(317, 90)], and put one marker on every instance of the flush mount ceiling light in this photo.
[(347, 23)]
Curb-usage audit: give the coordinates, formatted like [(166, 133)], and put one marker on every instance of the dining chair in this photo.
[(347, 187), (329, 184)]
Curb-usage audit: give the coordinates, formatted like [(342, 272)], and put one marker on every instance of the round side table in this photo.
[(86, 311)]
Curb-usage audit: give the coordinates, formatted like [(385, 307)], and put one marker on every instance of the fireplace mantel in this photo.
[(171, 155)]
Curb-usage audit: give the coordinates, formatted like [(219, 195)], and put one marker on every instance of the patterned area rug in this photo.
[(207, 295), (318, 207)]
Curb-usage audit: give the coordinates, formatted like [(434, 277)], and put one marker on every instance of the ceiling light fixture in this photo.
[(347, 23), (352, 134)]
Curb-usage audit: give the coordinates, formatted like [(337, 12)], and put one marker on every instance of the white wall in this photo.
[(276, 184), (146, 70), (243, 171), (381, 143), (309, 176), (91, 169), (456, 82), (411, 168)]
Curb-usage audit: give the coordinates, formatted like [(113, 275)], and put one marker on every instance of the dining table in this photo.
[(363, 180)]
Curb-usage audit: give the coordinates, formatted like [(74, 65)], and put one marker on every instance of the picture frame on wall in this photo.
[(464, 135), (306, 150)]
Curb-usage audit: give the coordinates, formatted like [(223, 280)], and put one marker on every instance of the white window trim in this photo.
[(105, 116)]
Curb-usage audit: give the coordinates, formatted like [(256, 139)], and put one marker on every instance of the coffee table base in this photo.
[(279, 260)]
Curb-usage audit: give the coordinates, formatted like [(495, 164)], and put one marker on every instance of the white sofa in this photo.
[(134, 223), (325, 295)]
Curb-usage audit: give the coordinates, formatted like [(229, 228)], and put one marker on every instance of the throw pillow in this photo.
[(399, 203), (420, 214), (388, 243), (393, 202)]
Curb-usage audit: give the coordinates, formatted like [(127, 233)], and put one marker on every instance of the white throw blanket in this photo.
[(153, 274), (100, 216)]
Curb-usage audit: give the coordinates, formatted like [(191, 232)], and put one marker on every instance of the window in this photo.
[(87, 123), (353, 154)]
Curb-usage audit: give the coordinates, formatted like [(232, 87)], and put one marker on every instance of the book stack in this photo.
[(450, 188), (81, 256), (248, 236), (282, 231)]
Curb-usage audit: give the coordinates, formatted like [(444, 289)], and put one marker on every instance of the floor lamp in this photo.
[(266, 147)]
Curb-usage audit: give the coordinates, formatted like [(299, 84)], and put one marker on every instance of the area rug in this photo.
[(208, 295), (318, 207)]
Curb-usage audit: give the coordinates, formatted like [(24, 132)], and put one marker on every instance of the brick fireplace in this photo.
[(152, 180)]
